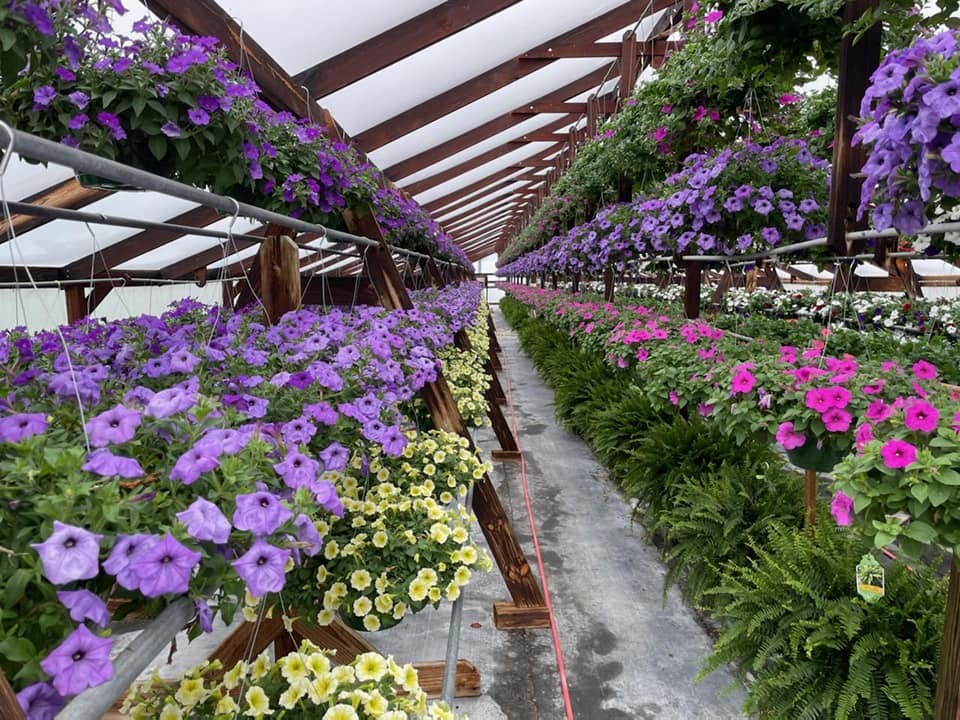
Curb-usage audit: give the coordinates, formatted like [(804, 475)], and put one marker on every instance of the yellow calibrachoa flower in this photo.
[(190, 692), (399, 610), (235, 675), (376, 704), (462, 575), (326, 616), (362, 606), (468, 555), (460, 534), (409, 680), (322, 574), (318, 663), (171, 712), (434, 594), (339, 589), (330, 549), (293, 667), (292, 695), (344, 673), (260, 666), (452, 591), (383, 603), (323, 687), (428, 575), (418, 589), (382, 583), (341, 712), (258, 704), (360, 579), (371, 623), (371, 666), (226, 706), (380, 539), (439, 533)]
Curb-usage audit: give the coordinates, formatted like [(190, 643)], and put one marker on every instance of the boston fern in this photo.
[(733, 506), (816, 650)]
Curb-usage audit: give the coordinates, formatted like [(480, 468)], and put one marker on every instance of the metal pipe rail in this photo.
[(36, 148)]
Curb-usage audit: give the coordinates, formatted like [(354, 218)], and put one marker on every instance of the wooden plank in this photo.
[(430, 675), (911, 281), (9, 705), (502, 75), (507, 616), (575, 50), (248, 640), (575, 108), (857, 63), (608, 284), (279, 276), (501, 427), (397, 43), (345, 642), (68, 194), (946, 706)]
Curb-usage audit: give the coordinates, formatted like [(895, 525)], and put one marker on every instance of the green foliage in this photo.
[(815, 649), (734, 506)]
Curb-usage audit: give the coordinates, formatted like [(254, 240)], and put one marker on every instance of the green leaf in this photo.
[(17, 649), (15, 586), (919, 491), (108, 97), (920, 531), (158, 146), (938, 494), (138, 105), (948, 477), (8, 38)]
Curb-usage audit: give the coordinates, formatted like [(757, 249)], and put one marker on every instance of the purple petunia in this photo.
[(85, 605), (334, 456), (201, 458), (165, 567), (43, 96), (15, 428), (170, 402), (125, 552), (205, 521), (170, 129), (297, 470), (79, 99), (260, 512), (116, 425), (79, 662), (307, 535), (40, 701), (104, 463), (198, 116), (263, 568), (69, 553)]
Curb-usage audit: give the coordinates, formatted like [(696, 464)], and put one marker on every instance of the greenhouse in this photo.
[(447, 359)]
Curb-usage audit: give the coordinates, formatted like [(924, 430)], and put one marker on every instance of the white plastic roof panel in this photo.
[(60, 242), (487, 197), (481, 172), (479, 193), (185, 246), (534, 123), (301, 34), (506, 99), (454, 59), (24, 179)]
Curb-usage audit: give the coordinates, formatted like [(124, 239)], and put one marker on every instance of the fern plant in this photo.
[(817, 651), (716, 516)]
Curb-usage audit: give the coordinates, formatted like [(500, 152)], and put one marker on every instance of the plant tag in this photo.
[(870, 578)]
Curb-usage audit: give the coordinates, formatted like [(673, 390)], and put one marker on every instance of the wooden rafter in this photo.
[(68, 194), (397, 43), (502, 75), (489, 129)]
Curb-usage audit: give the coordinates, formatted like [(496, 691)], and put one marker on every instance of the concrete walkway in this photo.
[(627, 656)]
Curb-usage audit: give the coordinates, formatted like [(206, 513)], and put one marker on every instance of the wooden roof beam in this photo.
[(502, 75), (69, 195), (397, 43)]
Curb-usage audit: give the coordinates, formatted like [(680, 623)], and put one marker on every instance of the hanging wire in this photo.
[(14, 245), (98, 251)]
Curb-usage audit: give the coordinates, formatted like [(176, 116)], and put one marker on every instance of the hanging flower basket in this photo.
[(820, 456)]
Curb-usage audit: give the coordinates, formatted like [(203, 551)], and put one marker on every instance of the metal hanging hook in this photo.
[(306, 92)]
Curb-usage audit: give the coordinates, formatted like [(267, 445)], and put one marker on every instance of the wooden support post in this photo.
[(946, 705), (592, 106), (76, 303), (279, 276), (576, 283), (857, 63), (628, 65), (911, 283), (691, 289), (608, 284), (553, 281), (810, 498), (493, 519), (495, 387), (9, 705)]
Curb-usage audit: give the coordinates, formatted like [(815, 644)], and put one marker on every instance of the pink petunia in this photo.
[(921, 416), (839, 397), (713, 16), (878, 411), (890, 366), (743, 382), (818, 399), (864, 435), (898, 453), (923, 370), (873, 388), (836, 420), (788, 437), (841, 507)]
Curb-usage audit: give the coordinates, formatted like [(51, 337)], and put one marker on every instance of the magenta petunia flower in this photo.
[(863, 435), (818, 399), (921, 416), (116, 425), (70, 553), (924, 370), (898, 453), (79, 662), (878, 411), (165, 567), (838, 397), (263, 568), (789, 438), (836, 420), (841, 507), (260, 512), (85, 605), (14, 428), (743, 382), (205, 521)]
